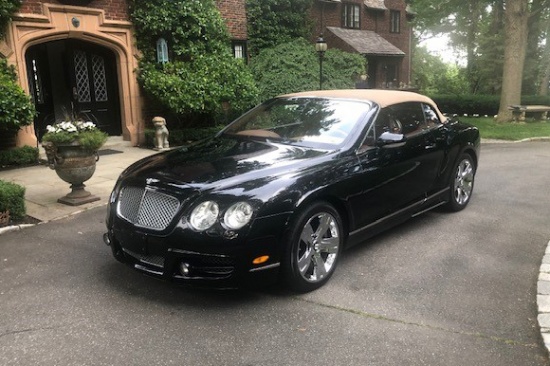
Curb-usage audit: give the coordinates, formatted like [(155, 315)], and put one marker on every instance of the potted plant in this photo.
[(71, 148)]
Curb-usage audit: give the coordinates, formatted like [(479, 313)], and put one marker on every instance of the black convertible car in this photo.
[(282, 190)]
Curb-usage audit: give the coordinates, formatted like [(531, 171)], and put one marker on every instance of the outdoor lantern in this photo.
[(320, 47)]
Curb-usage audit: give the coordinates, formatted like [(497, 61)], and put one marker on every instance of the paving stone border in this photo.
[(543, 297)]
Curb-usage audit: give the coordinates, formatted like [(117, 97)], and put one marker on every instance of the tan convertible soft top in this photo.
[(382, 97)]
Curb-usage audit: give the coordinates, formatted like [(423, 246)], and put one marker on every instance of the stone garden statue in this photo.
[(161, 133)]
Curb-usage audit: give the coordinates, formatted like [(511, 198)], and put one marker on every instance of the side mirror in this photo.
[(393, 139)]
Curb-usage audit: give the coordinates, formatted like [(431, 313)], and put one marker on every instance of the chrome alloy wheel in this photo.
[(464, 182), (318, 247)]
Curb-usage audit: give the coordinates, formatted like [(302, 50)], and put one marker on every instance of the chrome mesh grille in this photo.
[(147, 208)]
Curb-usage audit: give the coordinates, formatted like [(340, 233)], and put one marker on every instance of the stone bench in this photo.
[(539, 112)]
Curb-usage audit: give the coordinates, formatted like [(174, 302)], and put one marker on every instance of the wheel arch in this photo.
[(338, 204)]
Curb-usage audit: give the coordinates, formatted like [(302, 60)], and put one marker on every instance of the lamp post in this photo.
[(320, 47)]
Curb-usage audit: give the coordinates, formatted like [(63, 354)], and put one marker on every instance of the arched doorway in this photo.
[(72, 77)]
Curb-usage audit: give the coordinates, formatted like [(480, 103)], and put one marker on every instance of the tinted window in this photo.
[(432, 119), (410, 116)]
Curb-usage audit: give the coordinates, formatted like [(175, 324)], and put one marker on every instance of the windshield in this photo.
[(311, 122)]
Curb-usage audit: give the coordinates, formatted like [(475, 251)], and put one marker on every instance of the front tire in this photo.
[(462, 183), (314, 246)]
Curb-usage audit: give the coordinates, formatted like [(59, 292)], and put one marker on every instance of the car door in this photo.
[(396, 175), (421, 154)]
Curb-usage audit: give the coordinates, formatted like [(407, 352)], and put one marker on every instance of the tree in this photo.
[(461, 19), (532, 72), (433, 76), (272, 22), (490, 51), (545, 64), (201, 74), (516, 17), (297, 69)]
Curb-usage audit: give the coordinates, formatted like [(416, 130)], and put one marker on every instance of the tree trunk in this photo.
[(516, 18), (471, 44)]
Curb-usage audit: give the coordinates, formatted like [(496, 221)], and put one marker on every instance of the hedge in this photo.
[(12, 198), (19, 156), (480, 104)]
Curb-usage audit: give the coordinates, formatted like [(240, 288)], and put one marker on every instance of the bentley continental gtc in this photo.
[(281, 191)]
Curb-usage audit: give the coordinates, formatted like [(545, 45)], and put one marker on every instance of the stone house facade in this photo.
[(82, 52), (377, 29)]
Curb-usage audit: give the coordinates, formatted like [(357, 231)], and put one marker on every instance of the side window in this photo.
[(432, 119), (384, 122), (410, 116)]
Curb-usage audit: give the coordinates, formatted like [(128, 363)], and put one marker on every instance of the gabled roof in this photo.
[(366, 42), (375, 4)]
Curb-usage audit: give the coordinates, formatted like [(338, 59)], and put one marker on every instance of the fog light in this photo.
[(184, 269), (260, 260)]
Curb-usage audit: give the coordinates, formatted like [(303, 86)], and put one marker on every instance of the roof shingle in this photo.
[(366, 42)]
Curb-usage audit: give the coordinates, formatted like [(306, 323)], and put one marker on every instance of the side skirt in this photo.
[(415, 209)]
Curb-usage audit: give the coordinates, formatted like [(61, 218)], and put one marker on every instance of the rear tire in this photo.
[(314, 245), (462, 183)]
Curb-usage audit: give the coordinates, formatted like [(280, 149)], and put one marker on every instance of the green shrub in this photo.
[(200, 86), (17, 109), (12, 198), (25, 155)]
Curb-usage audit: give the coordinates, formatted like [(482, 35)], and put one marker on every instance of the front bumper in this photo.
[(188, 257)]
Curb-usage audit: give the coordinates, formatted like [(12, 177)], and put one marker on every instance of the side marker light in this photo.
[(260, 260)]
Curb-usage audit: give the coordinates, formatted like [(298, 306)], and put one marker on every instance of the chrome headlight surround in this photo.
[(204, 216), (230, 217), (238, 215)]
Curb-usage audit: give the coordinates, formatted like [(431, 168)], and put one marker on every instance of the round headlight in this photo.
[(204, 215), (238, 215)]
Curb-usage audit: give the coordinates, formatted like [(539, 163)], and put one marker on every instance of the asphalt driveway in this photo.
[(443, 289)]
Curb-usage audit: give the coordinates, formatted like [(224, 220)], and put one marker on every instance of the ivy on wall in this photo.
[(202, 73), (272, 22), (297, 69), (7, 9)]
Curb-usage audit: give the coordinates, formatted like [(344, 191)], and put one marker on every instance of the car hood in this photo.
[(224, 161)]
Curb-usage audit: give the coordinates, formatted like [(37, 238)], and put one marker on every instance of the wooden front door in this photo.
[(72, 77), (94, 86)]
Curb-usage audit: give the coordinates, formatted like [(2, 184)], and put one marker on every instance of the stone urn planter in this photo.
[(74, 165), (71, 148)]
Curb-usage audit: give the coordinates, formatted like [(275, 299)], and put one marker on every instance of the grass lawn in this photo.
[(489, 129)]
